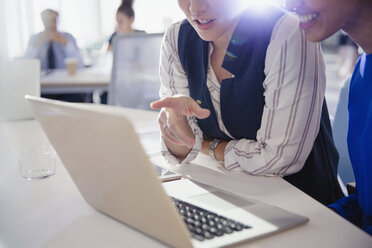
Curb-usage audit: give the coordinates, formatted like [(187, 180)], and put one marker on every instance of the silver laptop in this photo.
[(102, 153)]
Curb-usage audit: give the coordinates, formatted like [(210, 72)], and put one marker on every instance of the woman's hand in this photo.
[(173, 123)]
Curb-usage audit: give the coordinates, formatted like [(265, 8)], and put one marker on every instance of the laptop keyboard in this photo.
[(204, 224)]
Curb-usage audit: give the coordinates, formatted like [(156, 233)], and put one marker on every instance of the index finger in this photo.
[(182, 106), (162, 103)]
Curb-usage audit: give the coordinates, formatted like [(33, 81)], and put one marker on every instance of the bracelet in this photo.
[(212, 146)]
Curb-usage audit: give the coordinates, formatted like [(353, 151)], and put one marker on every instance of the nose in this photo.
[(292, 5), (197, 7)]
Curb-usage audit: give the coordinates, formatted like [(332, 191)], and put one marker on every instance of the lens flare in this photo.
[(260, 4), (231, 55)]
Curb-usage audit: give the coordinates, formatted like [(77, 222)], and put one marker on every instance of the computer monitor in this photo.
[(135, 79)]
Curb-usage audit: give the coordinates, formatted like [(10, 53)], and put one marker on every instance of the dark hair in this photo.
[(126, 8)]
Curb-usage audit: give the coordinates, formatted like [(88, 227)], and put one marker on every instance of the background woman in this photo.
[(124, 20)]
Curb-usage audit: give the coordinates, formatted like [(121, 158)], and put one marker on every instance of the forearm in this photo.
[(294, 92), (59, 38), (178, 151), (62, 40)]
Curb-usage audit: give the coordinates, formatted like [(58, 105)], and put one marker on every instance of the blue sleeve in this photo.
[(348, 207)]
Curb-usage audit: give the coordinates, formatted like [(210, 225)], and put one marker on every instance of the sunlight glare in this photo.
[(260, 4)]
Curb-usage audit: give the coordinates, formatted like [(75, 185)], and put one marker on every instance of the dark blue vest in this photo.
[(242, 98)]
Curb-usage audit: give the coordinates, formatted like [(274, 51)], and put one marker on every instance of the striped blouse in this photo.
[(294, 90)]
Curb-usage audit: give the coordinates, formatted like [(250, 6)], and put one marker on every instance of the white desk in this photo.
[(85, 80), (52, 213)]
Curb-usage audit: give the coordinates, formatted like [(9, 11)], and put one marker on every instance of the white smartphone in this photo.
[(166, 175)]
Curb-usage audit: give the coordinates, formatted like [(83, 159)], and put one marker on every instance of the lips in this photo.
[(307, 20), (204, 24)]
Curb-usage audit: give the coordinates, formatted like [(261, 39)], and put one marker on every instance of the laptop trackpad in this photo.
[(221, 200)]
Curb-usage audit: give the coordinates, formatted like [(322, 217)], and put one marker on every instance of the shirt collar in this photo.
[(247, 33), (238, 47)]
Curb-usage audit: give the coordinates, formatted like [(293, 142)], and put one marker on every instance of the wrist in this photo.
[(212, 148)]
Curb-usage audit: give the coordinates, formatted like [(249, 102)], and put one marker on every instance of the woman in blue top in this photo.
[(244, 86), (320, 19)]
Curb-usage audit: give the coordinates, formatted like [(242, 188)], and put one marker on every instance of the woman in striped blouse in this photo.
[(244, 86)]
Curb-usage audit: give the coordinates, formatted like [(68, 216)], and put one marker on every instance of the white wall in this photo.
[(155, 16), (90, 21), (3, 44)]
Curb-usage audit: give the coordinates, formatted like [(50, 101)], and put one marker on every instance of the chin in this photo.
[(313, 38), (316, 36), (205, 36)]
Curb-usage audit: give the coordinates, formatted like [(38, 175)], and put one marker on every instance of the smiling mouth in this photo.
[(305, 19), (203, 22)]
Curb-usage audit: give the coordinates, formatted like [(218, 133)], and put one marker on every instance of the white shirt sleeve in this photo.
[(32, 51), (294, 93), (174, 82)]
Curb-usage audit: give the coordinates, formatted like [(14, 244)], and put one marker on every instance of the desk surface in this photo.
[(52, 213), (87, 79)]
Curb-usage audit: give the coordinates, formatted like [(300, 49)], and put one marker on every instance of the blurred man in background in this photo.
[(51, 46)]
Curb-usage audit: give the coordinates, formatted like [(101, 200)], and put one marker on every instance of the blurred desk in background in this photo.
[(86, 80)]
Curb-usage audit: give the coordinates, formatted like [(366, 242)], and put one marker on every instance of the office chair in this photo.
[(135, 79), (339, 129)]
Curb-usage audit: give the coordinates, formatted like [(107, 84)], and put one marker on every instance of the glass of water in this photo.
[(37, 162)]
